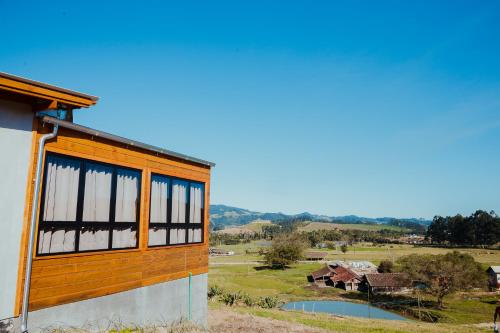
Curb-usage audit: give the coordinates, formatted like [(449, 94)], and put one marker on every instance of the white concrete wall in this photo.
[(161, 303), (15, 145)]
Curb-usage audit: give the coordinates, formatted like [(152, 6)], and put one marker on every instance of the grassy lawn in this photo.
[(291, 284)]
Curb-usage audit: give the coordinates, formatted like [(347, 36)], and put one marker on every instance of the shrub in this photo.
[(285, 250), (386, 266), (268, 302), (214, 291), (230, 298), (247, 300)]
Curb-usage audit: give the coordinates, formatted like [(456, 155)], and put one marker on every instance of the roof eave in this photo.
[(44, 91), (129, 142)]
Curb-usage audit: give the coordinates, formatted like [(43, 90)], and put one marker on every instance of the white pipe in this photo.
[(34, 207)]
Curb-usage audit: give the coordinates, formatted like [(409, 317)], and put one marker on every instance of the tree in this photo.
[(343, 248), (385, 266), (443, 274), (438, 230), (285, 250), (480, 228)]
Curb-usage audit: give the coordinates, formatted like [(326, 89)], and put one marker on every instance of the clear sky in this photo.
[(371, 108)]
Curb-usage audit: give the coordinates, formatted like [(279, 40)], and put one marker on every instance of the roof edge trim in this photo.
[(116, 138)]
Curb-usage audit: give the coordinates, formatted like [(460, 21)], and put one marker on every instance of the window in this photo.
[(176, 212), (87, 206)]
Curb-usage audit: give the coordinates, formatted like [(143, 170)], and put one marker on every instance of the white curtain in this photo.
[(177, 236), (127, 189), (93, 240), (124, 238), (196, 203), (159, 199), (179, 201), (61, 189), (157, 237), (194, 235), (56, 241), (97, 193)]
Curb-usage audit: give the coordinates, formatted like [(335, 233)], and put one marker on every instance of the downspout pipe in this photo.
[(34, 207)]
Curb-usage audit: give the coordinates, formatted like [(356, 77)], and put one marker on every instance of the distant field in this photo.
[(313, 226), (252, 227), (364, 251), (257, 225)]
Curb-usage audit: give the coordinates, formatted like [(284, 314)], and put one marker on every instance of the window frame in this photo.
[(169, 225), (79, 225)]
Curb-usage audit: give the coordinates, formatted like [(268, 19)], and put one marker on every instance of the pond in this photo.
[(343, 309)]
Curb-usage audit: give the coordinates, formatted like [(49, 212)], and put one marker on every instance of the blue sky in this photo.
[(351, 107)]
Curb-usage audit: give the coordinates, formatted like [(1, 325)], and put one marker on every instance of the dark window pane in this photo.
[(61, 189), (94, 239), (124, 237), (97, 194), (127, 195), (157, 236), (179, 201), (52, 240)]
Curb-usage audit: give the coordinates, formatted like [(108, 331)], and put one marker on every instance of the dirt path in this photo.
[(221, 321)]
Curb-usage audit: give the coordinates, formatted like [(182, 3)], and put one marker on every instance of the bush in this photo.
[(230, 298), (285, 250), (214, 291), (247, 300), (268, 302), (386, 266), (442, 274), (331, 245)]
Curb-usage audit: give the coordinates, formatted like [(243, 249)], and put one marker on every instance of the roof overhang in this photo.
[(119, 139), (42, 95)]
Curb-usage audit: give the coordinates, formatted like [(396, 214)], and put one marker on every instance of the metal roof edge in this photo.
[(48, 86), (116, 138)]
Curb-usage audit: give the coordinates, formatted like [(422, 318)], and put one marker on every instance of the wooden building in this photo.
[(493, 277), (119, 227), (380, 283), (321, 277), (335, 276), (345, 278)]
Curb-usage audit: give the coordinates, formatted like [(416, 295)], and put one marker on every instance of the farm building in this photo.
[(95, 227), (321, 277), (494, 277), (335, 276), (345, 278), (380, 283), (360, 268)]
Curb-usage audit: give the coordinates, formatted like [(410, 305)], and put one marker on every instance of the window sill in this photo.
[(108, 252)]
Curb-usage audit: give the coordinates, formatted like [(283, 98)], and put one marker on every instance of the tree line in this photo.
[(480, 228)]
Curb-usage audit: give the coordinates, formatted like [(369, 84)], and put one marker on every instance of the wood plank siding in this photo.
[(65, 278)]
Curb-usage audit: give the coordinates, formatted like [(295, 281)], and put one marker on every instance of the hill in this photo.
[(222, 216)]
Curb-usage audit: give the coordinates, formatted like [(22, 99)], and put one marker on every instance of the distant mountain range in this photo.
[(222, 215)]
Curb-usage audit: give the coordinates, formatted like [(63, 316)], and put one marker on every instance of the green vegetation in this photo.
[(286, 249), (481, 228), (248, 275), (386, 266), (441, 275)]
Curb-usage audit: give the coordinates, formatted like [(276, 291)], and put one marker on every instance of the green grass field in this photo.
[(246, 273)]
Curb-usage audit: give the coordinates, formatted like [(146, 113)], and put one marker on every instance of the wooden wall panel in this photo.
[(68, 278)]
